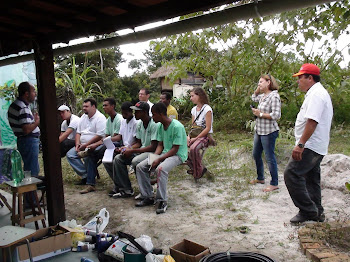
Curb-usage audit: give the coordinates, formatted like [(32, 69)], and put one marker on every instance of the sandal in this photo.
[(257, 181), (190, 172), (270, 188), (123, 194)]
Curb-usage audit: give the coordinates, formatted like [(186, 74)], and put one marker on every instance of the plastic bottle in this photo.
[(82, 247), (16, 164), (85, 259), (93, 233)]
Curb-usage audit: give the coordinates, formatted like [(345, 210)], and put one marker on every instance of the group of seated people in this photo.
[(152, 129)]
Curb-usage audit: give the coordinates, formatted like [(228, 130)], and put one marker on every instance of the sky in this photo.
[(129, 51)]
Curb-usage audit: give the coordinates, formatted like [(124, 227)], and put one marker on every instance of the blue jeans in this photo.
[(266, 143), (28, 146), (76, 163)]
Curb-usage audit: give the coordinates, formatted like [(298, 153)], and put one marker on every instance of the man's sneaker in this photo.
[(162, 206), (81, 182), (139, 197), (111, 193), (123, 194), (300, 218), (145, 202), (88, 189)]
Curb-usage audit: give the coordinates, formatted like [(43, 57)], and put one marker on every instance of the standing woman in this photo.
[(266, 129), (202, 115)]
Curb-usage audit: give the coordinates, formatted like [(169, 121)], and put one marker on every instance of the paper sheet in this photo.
[(108, 155), (152, 157)]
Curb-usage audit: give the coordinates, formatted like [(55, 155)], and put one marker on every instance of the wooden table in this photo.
[(11, 235), (17, 193)]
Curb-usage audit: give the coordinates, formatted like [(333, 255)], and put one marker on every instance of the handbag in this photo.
[(196, 129)]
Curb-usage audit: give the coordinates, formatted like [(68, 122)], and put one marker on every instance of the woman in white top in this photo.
[(202, 115)]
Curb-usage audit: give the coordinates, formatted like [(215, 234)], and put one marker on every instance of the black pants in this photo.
[(66, 145), (303, 181)]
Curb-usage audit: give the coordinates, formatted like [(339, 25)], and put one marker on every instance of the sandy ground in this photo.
[(212, 213)]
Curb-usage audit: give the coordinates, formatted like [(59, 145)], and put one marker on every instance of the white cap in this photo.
[(63, 107)]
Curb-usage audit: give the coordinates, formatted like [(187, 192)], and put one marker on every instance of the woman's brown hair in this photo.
[(203, 97), (273, 83)]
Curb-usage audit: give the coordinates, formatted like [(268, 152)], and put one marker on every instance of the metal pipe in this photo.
[(229, 15)]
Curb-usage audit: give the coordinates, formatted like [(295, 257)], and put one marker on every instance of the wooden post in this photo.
[(49, 131)]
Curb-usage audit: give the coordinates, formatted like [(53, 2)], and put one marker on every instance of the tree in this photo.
[(233, 56)]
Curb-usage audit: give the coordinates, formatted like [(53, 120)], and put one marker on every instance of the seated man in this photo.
[(68, 129), (96, 150), (91, 129), (172, 148), (165, 98), (126, 134), (146, 142)]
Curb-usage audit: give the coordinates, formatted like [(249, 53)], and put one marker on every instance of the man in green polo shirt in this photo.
[(146, 142), (172, 151)]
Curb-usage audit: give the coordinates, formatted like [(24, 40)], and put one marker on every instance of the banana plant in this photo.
[(75, 86)]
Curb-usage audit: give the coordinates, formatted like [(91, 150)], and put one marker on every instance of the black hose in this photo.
[(236, 257)]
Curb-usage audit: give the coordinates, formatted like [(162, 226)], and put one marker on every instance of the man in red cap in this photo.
[(312, 127)]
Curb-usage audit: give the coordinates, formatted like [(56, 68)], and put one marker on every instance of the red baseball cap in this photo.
[(310, 69)]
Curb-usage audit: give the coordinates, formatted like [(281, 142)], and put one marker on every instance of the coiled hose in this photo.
[(236, 257)]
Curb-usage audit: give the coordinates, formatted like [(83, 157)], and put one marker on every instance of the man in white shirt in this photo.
[(127, 134), (312, 131), (144, 95), (68, 129), (97, 149), (90, 130)]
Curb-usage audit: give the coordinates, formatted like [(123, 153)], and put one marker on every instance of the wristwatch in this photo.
[(261, 114), (301, 145)]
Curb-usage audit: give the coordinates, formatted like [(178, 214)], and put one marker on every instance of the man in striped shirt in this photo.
[(25, 126)]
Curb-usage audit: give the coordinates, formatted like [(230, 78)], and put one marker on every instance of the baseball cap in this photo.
[(310, 69), (141, 106), (63, 107)]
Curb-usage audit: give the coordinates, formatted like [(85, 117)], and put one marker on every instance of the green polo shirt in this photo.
[(112, 127), (147, 135), (174, 135)]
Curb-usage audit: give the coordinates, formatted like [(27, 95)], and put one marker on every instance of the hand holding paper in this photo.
[(108, 155)]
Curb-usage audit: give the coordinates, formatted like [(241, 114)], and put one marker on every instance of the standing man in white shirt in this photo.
[(68, 129), (144, 95), (312, 131), (90, 130)]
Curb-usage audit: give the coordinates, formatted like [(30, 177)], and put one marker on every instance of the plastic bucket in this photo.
[(132, 257)]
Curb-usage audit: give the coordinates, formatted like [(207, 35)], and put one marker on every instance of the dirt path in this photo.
[(212, 213)]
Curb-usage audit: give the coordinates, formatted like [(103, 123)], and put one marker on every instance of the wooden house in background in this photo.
[(181, 86)]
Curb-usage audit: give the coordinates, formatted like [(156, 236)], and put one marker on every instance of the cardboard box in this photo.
[(46, 247), (188, 251)]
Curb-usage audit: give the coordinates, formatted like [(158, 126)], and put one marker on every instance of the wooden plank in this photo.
[(49, 131)]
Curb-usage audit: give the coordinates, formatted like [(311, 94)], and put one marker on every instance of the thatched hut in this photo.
[(181, 85)]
